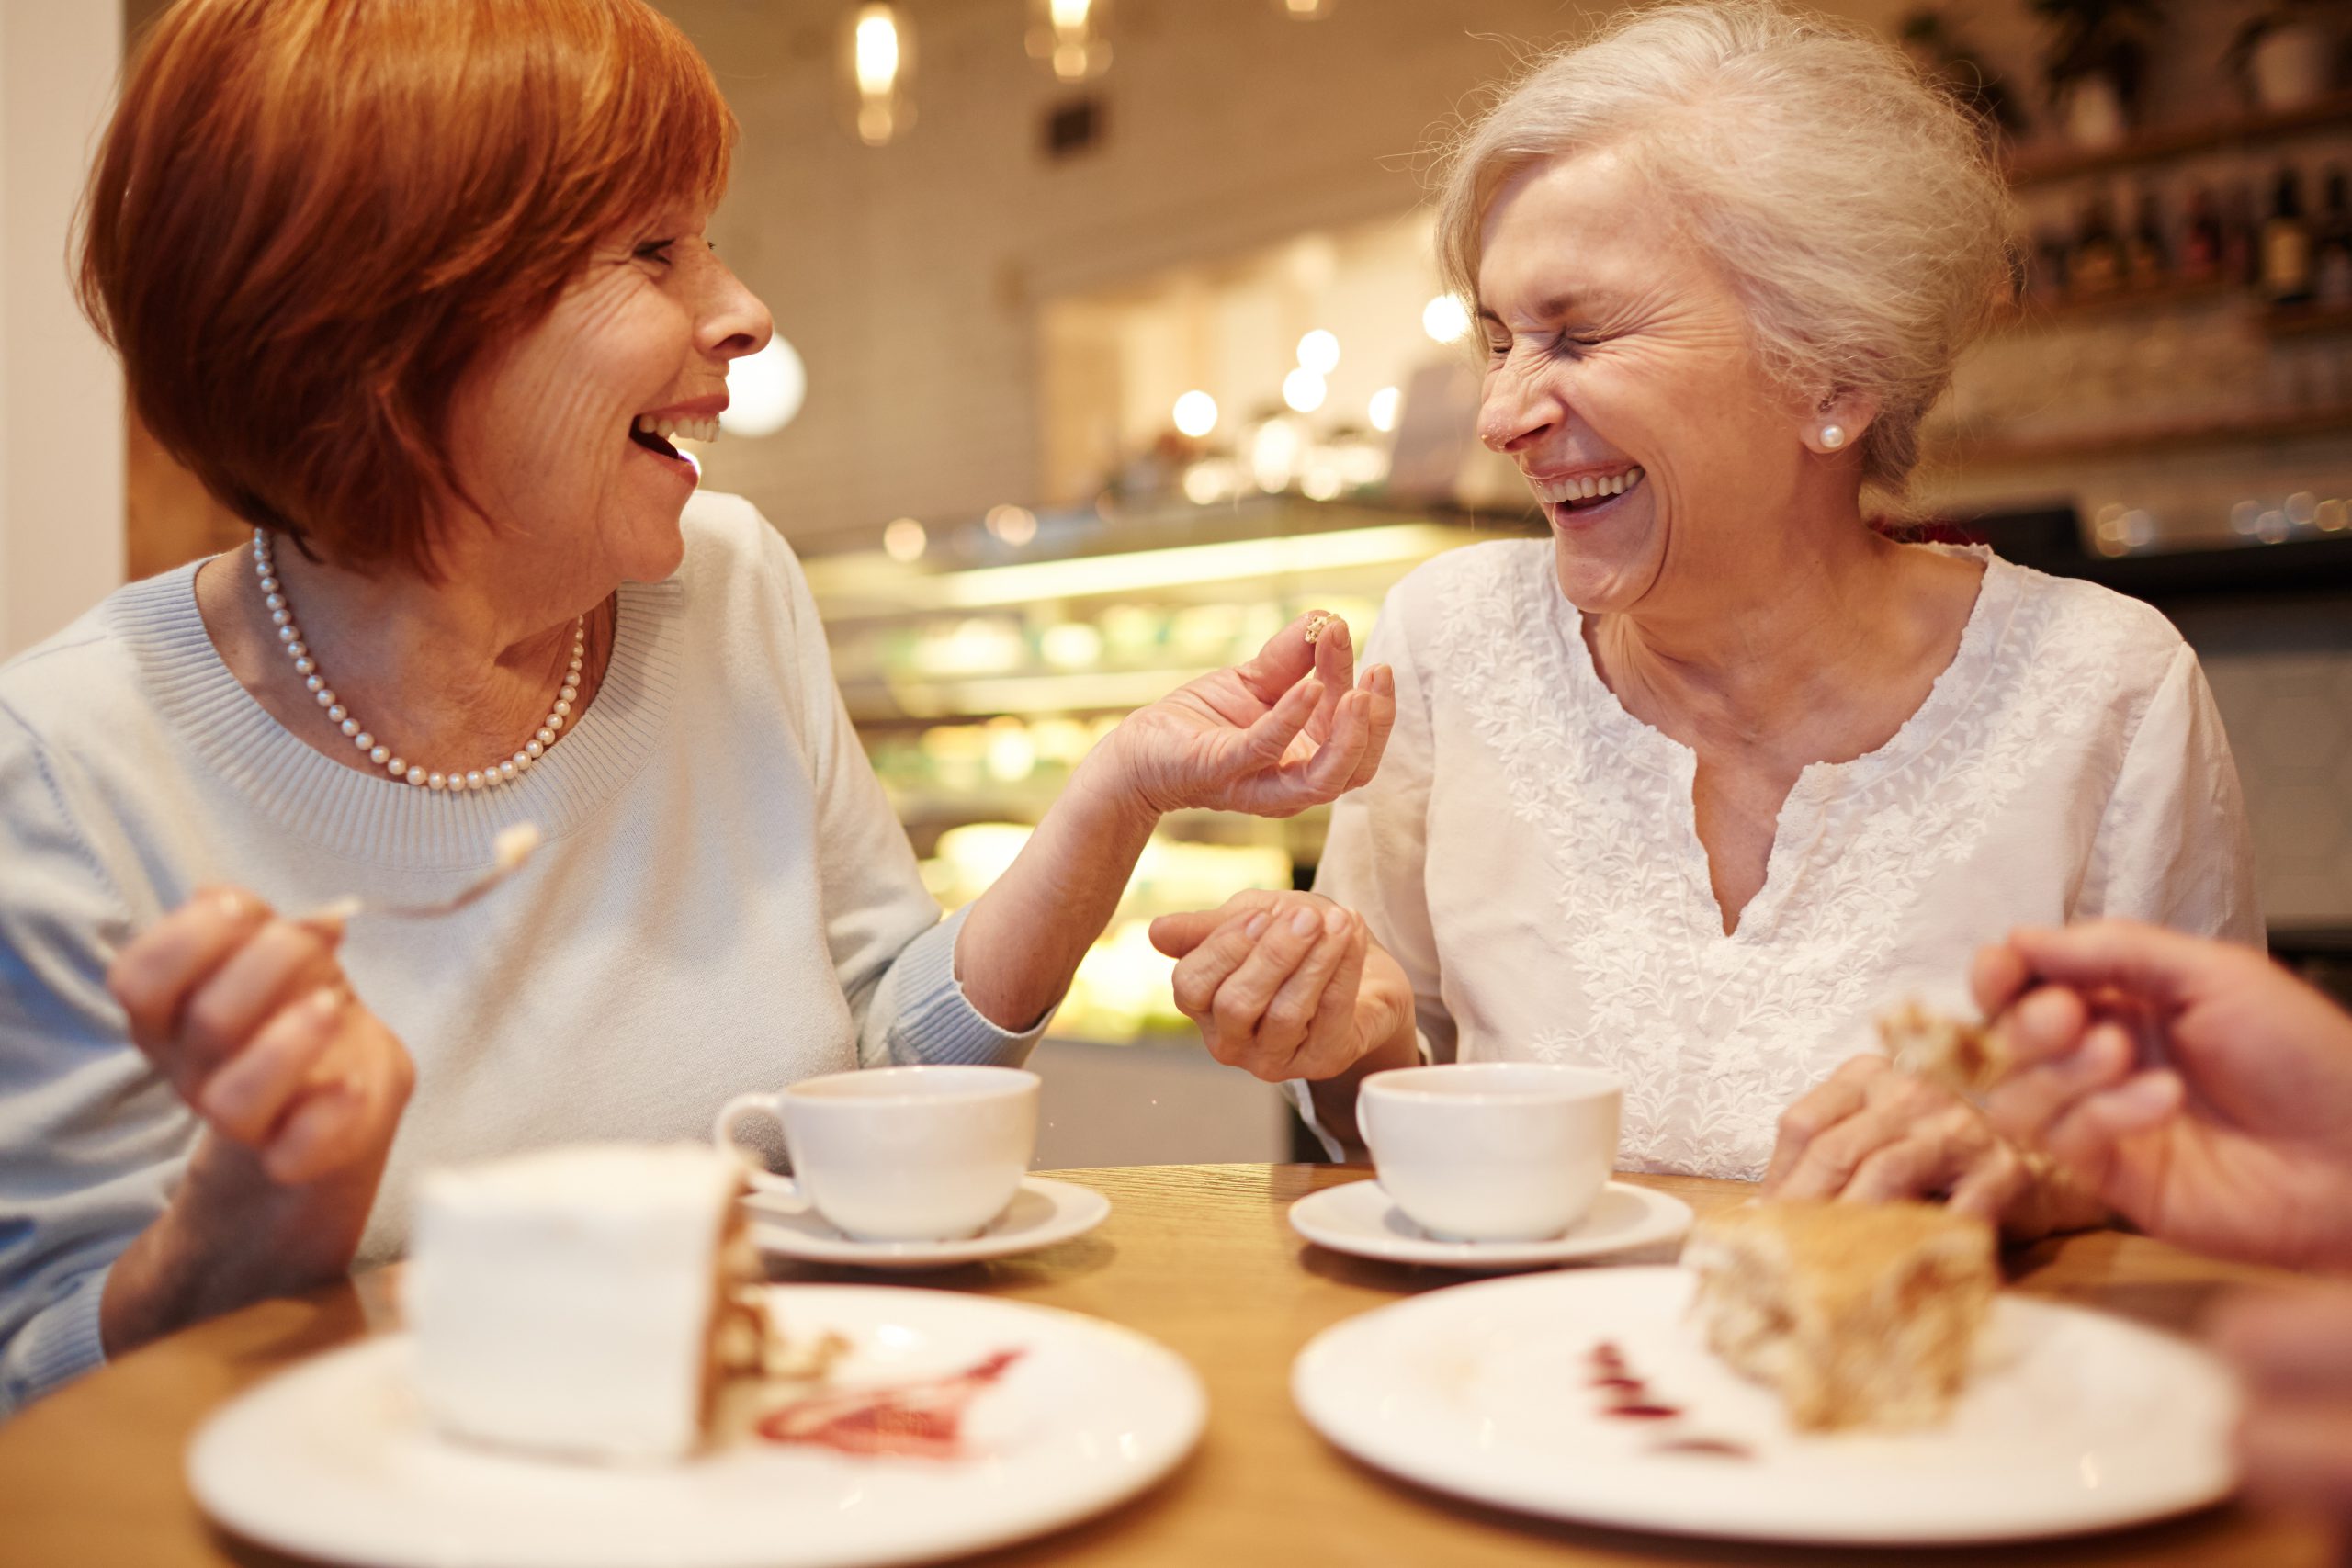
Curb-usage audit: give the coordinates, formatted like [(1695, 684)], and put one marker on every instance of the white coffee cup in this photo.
[(899, 1154), (1492, 1151)]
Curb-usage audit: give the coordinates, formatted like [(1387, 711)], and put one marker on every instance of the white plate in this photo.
[(2075, 1420), (1362, 1219), (333, 1460), (1042, 1212)]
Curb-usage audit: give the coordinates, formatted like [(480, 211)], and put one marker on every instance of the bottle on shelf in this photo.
[(2096, 268), (2046, 277), (2241, 257), (2332, 247), (2145, 259), (2287, 244), (2203, 254)]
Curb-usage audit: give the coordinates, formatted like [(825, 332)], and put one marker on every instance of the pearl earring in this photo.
[(1833, 437)]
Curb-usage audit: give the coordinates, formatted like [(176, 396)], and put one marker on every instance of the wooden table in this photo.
[(1200, 1257)]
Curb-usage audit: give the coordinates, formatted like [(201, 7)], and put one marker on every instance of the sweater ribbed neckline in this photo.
[(373, 817)]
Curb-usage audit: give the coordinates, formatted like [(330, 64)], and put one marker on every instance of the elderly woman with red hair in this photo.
[(420, 288)]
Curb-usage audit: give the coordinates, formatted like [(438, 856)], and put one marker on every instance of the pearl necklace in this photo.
[(289, 637)]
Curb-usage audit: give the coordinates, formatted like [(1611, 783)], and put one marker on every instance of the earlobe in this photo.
[(1838, 422)]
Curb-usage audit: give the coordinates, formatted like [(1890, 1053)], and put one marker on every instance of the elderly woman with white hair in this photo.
[(1691, 788)]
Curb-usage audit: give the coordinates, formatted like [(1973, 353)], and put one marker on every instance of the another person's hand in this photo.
[(1285, 984), (1290, 729), (2293, 1352), (2199, 1089), (251, 1019), (1870, 1135)]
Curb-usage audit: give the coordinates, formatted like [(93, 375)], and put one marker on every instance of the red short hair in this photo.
[(310, 217)]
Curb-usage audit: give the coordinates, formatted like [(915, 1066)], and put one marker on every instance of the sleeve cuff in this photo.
[(1302, 1096), (60, 1344), (934, 1022)]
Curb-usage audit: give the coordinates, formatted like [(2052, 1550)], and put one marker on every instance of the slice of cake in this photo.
[(1859, 1315), (1966, 1058), (583, 1301)]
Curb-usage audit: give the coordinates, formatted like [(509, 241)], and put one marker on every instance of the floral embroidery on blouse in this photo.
[(1714, 1035)]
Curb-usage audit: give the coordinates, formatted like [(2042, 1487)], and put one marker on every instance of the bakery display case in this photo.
[(980, 670)]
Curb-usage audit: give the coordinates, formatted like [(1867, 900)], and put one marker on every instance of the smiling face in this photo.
[(561, 437), (1622, 378)]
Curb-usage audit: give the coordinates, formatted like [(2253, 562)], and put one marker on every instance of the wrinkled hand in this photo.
[(2198, 1088), (2293, 1353), (1285, 984), (1871, 1134), (251, 1019), (1291, 728)]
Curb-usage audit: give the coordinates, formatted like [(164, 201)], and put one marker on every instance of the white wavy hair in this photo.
[(1864, 226)]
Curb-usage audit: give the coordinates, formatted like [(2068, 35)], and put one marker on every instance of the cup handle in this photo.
[(722, 1133)]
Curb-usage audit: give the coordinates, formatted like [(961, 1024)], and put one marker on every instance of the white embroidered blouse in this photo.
[(1528, 851)]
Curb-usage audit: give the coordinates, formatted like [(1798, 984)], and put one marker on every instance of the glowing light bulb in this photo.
[(1383, 408), (1196, 414), (877, 52), (904, 540), (764, 390), (1445, 319), (1319, 351), (1014, 525), (1302, 390)]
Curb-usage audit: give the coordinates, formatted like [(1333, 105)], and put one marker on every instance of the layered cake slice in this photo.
[(1858, 1314), (1951, 1053), (583, 1301)]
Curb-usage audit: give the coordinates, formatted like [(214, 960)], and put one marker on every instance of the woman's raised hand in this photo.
[(251, 1019), (2198, 1088), (1290, 729), (1285, 984)]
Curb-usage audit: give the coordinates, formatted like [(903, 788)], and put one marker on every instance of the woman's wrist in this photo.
[(1102, 788), (229, 1237)]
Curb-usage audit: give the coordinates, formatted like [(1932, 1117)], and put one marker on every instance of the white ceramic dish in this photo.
[(1362, 1219), (333, 1460), (1042, 1212), (2074, 1421)]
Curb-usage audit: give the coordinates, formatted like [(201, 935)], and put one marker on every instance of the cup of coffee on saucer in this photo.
[(1492, 1151), (899, 1154)]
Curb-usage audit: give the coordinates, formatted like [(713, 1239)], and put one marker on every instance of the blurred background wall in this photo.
[(62, 522)]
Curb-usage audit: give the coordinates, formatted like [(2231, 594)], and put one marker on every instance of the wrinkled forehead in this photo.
[(1581, 225)]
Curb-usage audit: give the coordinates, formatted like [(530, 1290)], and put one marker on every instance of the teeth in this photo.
[(669, 429), (1588, 487)]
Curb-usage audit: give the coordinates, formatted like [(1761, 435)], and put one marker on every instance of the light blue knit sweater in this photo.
[(725, 902)]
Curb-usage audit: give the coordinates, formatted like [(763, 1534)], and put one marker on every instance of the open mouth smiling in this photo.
[(1578, 494)]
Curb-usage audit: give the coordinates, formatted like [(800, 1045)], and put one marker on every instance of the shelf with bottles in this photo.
[(2045, 166), (2195, 246), (2307, 321), (2326, 420)]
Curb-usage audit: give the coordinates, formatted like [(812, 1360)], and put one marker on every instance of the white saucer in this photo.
[(1042, 1212), (1362, 1219)]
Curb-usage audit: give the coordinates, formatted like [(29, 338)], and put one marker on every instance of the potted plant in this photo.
[(2099, 50), (2282, 56)]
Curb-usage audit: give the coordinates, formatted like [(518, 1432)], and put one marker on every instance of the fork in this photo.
[(509, 850)]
